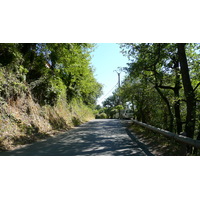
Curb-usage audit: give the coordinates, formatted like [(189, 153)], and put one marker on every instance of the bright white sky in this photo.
[(105, 59)]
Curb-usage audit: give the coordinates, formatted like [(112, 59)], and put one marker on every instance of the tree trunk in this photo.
[(175, 89), (177, 101), (177, 113), (188, 91), (171, 117)]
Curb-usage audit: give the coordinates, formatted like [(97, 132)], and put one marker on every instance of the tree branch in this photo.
[(196, 86), (166, 87)]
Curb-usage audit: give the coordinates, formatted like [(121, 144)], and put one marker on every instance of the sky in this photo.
[(106, 59), (110, 21)]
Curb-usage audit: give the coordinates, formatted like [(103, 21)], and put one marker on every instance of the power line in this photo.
[(108, 93)]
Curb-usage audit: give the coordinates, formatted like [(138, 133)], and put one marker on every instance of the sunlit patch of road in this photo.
[(95, 138)]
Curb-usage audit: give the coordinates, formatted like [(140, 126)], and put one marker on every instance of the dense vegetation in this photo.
[(52, 69), (47, 77), (162, 86)]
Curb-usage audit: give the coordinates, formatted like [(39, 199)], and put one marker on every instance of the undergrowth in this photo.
[(157, 143), (24, 120)]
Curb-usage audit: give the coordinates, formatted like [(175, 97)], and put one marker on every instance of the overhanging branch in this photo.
[(197, 86), (166, 87)]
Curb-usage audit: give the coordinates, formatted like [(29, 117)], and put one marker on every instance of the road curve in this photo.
[(102, 137)]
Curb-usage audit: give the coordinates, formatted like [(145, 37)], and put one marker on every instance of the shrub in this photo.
[(103, 116), (48, 90)]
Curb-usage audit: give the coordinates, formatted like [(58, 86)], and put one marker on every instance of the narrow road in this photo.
[(95, 138)]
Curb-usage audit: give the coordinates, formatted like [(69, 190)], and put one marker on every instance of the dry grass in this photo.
[(23, 121), (156, 143)]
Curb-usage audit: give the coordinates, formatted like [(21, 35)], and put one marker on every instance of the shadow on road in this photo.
[(96, 138)]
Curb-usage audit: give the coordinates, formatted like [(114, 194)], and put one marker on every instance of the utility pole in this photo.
[(119, 103), (119, 80), (118, 73)]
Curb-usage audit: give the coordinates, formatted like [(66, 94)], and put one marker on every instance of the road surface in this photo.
[(100, 137)]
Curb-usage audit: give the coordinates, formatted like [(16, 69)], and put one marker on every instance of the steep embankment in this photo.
[(23, 120), (44, 88)]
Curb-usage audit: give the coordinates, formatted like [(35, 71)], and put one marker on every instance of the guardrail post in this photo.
[(184, 147)]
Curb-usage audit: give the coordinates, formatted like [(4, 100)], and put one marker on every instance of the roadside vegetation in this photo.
[(161, 88), (44, 89)]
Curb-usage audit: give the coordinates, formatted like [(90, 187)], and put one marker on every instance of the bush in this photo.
[(11, 87), (101, 116), (48, 90)]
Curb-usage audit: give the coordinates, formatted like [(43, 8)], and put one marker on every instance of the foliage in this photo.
[(44, 87), (154, 84), (53, 70), (101, 116), (11, 87)]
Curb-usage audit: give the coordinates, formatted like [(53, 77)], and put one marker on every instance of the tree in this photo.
[(166, 67), (157, 64), (54, 70), (188, 91)]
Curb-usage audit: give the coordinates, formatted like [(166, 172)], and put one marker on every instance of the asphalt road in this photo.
[(95, 138)]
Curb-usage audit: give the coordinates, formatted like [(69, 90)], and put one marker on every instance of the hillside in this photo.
[(45, 89)]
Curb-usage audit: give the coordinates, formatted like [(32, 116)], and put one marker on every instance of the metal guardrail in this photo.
[(179, 138)]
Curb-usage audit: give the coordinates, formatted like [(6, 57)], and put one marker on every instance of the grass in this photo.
[(23, 120), (157, 143), (26, 121)]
